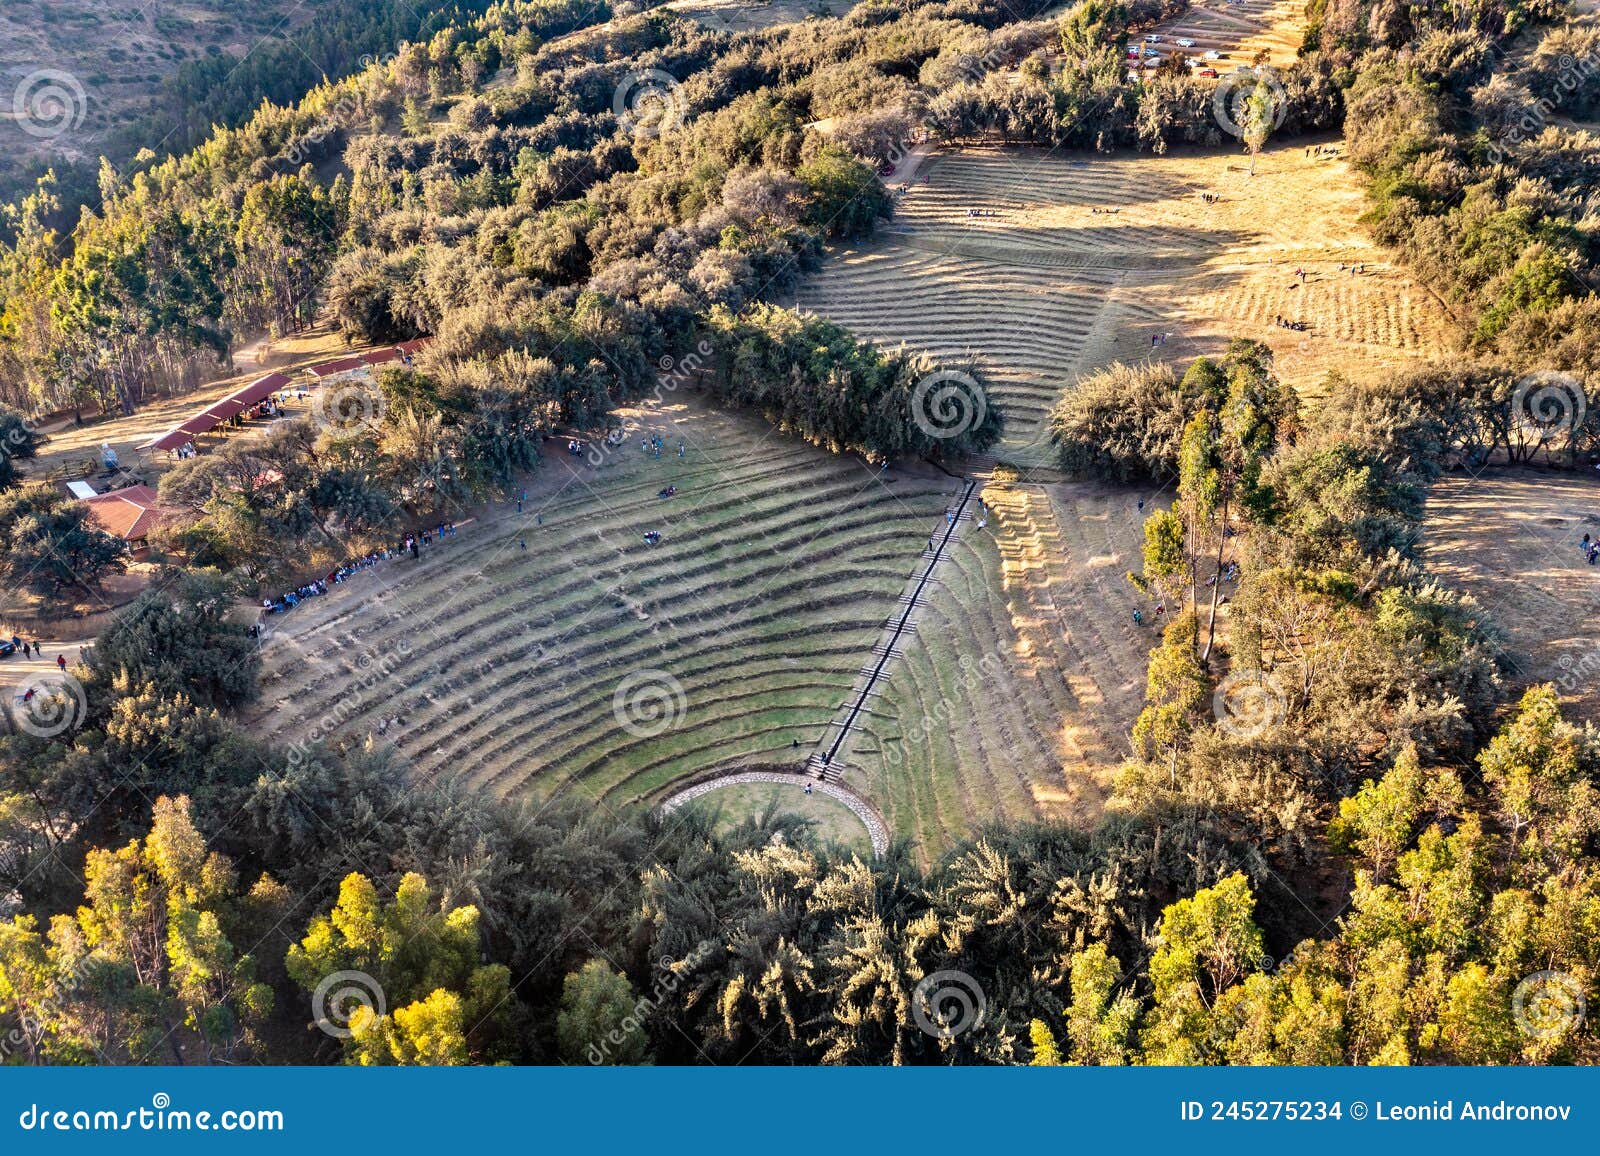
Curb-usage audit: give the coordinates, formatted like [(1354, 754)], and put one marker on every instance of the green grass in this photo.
[(834, 822)]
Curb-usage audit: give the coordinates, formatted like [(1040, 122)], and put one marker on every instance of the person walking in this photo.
[(61, 659)]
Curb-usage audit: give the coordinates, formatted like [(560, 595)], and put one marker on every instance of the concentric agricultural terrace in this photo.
[(591, 661), (1027, 670), (1238, 31), (1016, 694), (781, 563), (1084, 260)]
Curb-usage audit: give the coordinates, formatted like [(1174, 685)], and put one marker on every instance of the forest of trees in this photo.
[(215, 87), (1340, 839)]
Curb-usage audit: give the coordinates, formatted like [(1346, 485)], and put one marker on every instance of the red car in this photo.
[(1211, 72)]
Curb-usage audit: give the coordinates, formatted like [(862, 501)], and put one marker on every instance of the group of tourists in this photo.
[(294, 597), (411, 544), (1591, 548), (982, 213), (1285, 323), (654, 444), (1108, 212)]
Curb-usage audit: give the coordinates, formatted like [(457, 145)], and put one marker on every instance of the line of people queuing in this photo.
[(411, 544)]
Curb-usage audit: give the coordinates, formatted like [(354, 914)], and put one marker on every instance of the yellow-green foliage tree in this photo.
[(415, 956), (147, 970)]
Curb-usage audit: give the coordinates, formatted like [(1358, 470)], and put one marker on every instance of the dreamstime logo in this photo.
[(647, 103), (344, 112), (1254, 97), (674, 372), (670, 976), (1547, 402), (49, 704), (49, 102), (947, 404), (1248, 703), (347, 407), (373, 669), (1572, 73), (648, 703), (974, 674), (1547, 1005), (947, 1004), (338, 996)]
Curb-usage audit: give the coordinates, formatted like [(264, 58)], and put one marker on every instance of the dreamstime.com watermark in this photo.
[(344, 408), (341, 115), (647, 103), (48, 103), (972, 673), (672, 374), (1250, 98), (11, 445), (338, 997), (374, 668), (48, 704), (648, 703), (1549, 403), (670, 975), (948, 403), (1249, 703), (160, 1116), (1548, 1005), (1572, 72), (947, 1004)]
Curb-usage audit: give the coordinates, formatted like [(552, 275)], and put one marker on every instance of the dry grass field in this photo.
[(754, 15), (1511, 539), (1087, 258), (1026, 672), (590, 660)]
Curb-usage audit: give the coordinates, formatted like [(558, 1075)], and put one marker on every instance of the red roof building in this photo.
[(128, 514)]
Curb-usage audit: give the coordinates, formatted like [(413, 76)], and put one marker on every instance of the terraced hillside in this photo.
[(1239, 30), (1086, 260), (1015, 698), (590, 660)]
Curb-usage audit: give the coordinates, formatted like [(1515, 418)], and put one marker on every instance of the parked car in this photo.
[(1152, 38), (1208, 72), (7, 648), (1213, 54), (1186, 43)]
